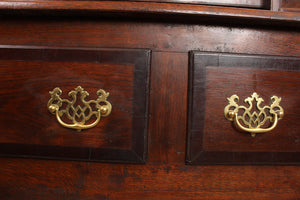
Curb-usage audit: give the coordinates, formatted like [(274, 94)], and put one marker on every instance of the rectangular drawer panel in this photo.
[(28, 129), (212, 139)]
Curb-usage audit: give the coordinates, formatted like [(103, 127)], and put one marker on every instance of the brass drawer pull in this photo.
[(79, 115), (252, 119)]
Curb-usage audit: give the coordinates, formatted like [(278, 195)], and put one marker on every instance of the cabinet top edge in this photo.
[(151, 9)]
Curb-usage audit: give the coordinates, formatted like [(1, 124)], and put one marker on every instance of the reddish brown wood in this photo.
[(78, 180), (154, 10), (286, 5), (166, 36), (29, 129), (290, 3), (164, 176), (222, 82), (213, 78), (168, 108), (290, 6)]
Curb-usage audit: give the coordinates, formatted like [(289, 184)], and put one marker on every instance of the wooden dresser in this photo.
[(150, 99)]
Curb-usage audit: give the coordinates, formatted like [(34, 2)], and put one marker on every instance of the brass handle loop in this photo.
[(79, 115), (254, 120)]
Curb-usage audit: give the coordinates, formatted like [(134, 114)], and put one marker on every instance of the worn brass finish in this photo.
[(76, 114), (254, 120)]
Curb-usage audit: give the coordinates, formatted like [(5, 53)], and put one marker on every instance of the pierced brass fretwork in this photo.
[(76, 114), (251, 119)]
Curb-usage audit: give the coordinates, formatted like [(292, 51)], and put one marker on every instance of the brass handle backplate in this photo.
[(79, 115), (254, 120)]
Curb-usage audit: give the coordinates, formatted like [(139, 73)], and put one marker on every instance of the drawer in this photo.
[(31, 76), (243, 109)]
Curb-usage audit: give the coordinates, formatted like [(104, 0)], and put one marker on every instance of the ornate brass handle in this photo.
[(254, 120), (76, 114)]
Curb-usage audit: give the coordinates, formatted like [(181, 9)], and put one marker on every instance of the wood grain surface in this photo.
[(168, 109), (152, 10), (40, 179), (30, 73), (214, 78), (222, 82), (165, 175), (289, 5), (164, 36)]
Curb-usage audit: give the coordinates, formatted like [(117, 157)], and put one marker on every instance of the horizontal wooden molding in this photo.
[(240, 15)]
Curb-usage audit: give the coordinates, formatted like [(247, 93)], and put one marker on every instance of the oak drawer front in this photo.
[(213, 79), (28, 129)]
